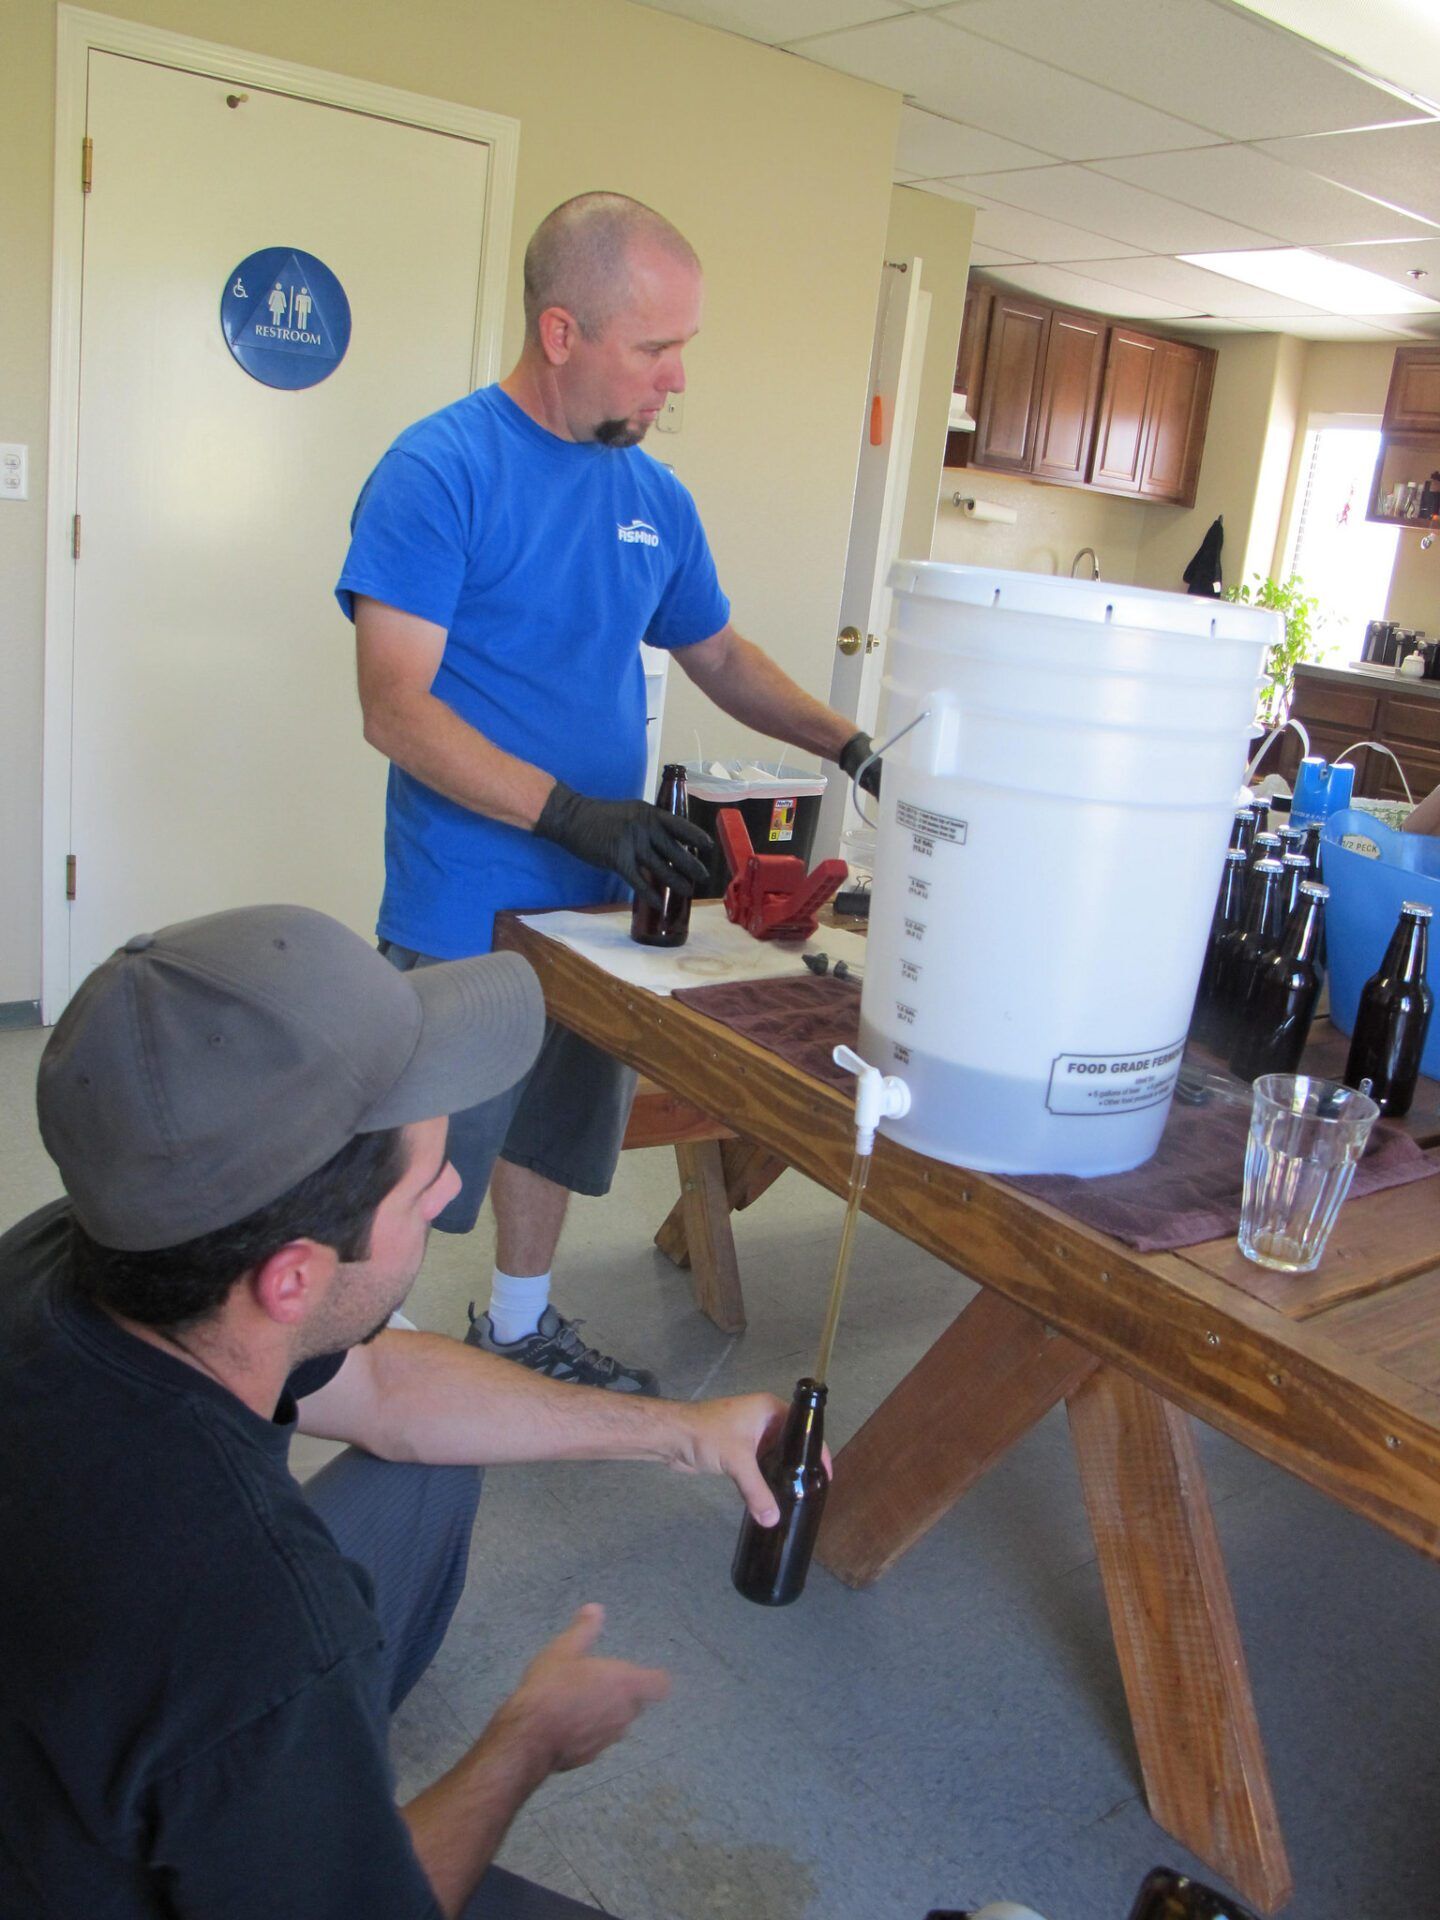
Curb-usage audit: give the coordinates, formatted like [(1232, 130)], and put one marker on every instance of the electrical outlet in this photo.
[(14, 472), (671, 415)]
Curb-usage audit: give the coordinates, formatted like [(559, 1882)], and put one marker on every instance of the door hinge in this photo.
[(87, 164), (69, 876), (75, 539)]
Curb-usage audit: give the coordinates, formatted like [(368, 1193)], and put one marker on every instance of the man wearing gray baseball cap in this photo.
[(249, 1115)]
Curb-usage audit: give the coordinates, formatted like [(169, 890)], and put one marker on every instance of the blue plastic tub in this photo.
[(1366, 894)]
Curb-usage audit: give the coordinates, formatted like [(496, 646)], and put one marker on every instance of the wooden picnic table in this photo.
[(1333, 1374)]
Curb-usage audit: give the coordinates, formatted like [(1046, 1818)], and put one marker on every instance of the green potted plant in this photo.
[(1301, 616)]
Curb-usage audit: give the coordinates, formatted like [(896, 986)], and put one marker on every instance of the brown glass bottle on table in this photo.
[(1273, 1025), (667, 925), (1165, 1895), (1265, 846), (1244, 946), (770, 1563), (1394, 1017), (1297, 872), (1242, 831), (1229, 907)]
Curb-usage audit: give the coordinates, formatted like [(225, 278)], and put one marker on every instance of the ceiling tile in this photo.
[(775, 20), (983, 256), (1394, 259), (1203, 62), (1027, 234), (1069, 289), (1398, 164), (1344, 326), (936, 149), (1083, 198), (1292, 205), (1193, 288), (996, 89)]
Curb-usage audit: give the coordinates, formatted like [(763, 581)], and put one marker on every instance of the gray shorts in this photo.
[(565, 1120)]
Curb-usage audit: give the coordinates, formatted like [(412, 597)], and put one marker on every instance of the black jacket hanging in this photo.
[(1202, 576)]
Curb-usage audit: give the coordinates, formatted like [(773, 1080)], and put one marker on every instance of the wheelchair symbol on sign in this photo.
[(239, 289)]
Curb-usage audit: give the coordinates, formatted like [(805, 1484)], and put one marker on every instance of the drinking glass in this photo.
[(1306, 1139)]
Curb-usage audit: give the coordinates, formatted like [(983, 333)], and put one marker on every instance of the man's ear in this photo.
[(295, 1279), (559, 330)]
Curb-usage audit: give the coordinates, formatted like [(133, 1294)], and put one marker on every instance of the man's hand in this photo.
[(855, 752), (649, 849), (729, 1436), (575, 1704)]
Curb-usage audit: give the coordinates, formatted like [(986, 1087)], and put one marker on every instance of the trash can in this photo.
[(780, 804)]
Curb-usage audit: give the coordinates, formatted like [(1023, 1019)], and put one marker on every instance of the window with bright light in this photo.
[(1344, 559)]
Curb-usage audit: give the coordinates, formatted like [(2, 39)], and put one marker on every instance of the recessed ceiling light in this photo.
[(1314, 280)]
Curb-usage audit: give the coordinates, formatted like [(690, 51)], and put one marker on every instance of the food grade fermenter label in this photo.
[(929, 827), (1090, 1084)]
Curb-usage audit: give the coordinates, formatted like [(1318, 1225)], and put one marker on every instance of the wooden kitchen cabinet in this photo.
[(1038, 387), (1340, 708), (1075, 399), (1065, 407), (1010, 383), (1409, 431), (1153, 413), (1412, 404)]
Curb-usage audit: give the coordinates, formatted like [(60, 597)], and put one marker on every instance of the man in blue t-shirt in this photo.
[(508, 557)]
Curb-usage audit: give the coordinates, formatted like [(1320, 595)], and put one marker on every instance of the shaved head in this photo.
[(579, 258)]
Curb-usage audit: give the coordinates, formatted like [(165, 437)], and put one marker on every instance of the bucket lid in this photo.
[(1096, 602)]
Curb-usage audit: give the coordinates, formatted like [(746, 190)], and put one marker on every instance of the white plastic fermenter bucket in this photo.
[(1051, 837)]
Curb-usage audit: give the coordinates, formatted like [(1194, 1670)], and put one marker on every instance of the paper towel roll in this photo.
[(974, 509)]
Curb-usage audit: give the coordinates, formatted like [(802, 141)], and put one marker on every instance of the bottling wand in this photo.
[(878, 1096)]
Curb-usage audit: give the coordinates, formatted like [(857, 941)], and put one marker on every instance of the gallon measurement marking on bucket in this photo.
[(1087, 1084)]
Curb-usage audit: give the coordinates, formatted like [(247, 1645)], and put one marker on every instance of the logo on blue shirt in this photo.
[(639, 533)]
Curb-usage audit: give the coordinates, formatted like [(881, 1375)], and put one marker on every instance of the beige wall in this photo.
[(939, 231), (1052, 524), (779, 171), (1255, 374)]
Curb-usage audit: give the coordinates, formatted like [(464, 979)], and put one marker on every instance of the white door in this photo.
[(881, 483), (216, 752)]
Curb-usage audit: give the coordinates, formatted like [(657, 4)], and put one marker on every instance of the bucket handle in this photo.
[(874, 754)]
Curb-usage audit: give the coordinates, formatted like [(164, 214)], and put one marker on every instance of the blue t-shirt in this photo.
[(547, 562)]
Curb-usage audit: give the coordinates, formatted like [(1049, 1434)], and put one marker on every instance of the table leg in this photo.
[(748, 1171), (1174, 1623), (710, 1244), (986, 1381)]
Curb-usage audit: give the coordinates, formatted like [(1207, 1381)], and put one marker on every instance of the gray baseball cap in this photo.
[(201, 1071)]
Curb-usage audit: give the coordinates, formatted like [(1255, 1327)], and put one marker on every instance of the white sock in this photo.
[(517, 1302)]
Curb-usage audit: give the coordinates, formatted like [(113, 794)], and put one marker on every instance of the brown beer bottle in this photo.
[(1242, 831), (1229, 906), (667, 925), (1174, 1896), (1243, 946), (1394, 1017), (1274, 1024), (1297, 872), (770, 1563)]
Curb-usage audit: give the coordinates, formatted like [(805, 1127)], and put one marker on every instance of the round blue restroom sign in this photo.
[(285, 317)]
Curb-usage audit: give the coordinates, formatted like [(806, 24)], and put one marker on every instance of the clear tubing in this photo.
[(859, 1174)]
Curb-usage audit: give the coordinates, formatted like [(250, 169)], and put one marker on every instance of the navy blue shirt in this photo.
[(547, 562), (191, 1721)]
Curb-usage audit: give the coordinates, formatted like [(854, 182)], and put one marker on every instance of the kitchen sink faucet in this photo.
[(1094, 562)]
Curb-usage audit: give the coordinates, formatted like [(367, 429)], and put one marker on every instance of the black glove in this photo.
[(648, 848), (855, 752)]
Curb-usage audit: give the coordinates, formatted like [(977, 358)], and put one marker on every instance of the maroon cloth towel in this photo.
[(1188, 1192)]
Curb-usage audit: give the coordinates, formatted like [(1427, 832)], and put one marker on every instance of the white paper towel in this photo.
[(986, 510)]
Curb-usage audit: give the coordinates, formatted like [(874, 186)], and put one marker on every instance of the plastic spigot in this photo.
[(878, 1096)]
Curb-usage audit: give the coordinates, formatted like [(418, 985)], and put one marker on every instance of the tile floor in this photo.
[(956, 1733)]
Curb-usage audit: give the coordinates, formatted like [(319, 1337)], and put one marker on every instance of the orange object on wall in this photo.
[(877, 422)]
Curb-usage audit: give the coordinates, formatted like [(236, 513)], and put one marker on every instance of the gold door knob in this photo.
[(851, 640)]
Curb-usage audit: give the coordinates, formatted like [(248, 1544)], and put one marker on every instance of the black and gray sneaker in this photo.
[(556, 1348)]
